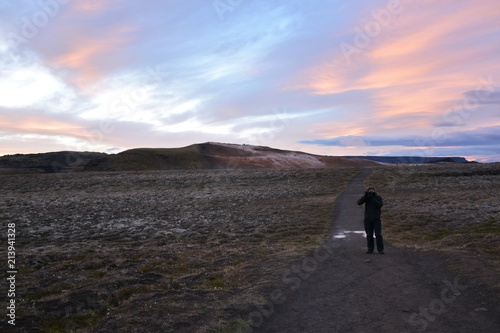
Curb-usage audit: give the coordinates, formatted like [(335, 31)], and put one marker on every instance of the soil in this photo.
[(193, 251), (340, 288), (157, 251)]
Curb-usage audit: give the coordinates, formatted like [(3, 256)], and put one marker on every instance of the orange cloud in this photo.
[(416, 66), (40, 125), (92, 5), (85, 53), (338, 128)]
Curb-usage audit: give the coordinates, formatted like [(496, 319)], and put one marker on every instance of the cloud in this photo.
[(87, 73), (87, 58), (42, 122), (483, 96), (23, 143), (448, 124), (94, 6), (414, 66), (486, 136), (24, 82)]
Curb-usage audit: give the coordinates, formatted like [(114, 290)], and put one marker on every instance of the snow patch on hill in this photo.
[(276, 158), (294, 160)]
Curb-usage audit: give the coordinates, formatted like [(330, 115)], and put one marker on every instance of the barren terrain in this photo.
[(169, 251), (453, 208), (206, 250), (415, 287)]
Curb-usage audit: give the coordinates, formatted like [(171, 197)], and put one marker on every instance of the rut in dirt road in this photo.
[(340, 288)]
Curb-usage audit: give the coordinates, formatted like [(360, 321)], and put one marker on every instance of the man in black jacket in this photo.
[(373, 204)]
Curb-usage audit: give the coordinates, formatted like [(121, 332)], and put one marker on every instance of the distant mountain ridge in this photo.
[(208, 155), (412, 159)]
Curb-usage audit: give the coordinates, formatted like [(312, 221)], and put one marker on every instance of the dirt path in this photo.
[(339, 288)]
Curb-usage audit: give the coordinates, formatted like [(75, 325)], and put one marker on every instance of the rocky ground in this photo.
[(410, 288), (205, 251), (169, 251), (449, 207)]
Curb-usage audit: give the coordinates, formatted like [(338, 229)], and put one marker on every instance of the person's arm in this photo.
[(362, 200), (379, 202)]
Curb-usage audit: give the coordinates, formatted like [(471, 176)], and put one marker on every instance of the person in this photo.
[(373, 210)]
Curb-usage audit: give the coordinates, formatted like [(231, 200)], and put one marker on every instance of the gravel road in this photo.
[(340, 288)]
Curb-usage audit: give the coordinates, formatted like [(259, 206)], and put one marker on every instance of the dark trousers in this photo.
[(371, 226)]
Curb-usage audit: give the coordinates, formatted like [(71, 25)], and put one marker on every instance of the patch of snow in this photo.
[(294, 160), (244, 147)]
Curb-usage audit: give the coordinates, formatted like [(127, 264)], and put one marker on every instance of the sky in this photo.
[(329, 77)]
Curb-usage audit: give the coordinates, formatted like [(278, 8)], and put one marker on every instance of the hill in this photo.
[(208, 155), (53, 162), (218, 156)]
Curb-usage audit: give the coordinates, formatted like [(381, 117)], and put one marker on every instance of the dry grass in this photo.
[(160, 251), (449, 207)]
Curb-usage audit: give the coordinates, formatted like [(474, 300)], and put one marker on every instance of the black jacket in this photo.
[(373, 204)]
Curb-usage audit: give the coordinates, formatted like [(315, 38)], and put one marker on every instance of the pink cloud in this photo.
[(41, 125), (89, 46), (83, 54), (418, 65), (93, 5)]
